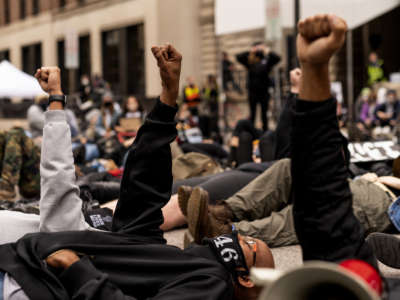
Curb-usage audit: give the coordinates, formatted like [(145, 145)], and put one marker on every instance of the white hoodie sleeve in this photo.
[(60, 205)]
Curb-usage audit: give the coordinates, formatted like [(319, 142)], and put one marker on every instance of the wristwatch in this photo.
[(58, 98)]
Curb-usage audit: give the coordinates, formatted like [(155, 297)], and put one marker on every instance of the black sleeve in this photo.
[(273, 60), (147, 179), (323, 216), (83, 281), (243, 58)]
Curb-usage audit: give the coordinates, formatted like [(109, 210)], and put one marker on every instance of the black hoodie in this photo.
[(132, 261)]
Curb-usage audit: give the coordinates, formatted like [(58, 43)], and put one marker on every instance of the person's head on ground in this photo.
[(131, 104), (225, 55), (256, 255)]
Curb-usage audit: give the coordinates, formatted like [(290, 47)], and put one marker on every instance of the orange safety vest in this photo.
[(192, 96)]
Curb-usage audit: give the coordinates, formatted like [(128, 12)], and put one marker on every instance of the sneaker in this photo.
[(7, 195), (184, 193), (201, 223), (386, 248)]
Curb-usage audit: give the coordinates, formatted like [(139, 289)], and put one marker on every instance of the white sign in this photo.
[(373, 151), (274, 27), (239, 15), (72, 50)]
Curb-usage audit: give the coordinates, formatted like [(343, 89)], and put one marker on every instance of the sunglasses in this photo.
[(252, 244)]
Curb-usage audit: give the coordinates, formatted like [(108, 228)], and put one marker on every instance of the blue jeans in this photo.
[(92, 151), (1, 285)]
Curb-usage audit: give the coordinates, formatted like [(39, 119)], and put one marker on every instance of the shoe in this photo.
[(184, 193), (7, 195), (386, 248), (221, 212), (201, 223)]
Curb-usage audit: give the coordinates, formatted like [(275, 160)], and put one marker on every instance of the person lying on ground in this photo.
[(263, 209), (132, 261)]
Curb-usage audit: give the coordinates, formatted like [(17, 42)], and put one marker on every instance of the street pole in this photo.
[(350, 82), (296, 21)]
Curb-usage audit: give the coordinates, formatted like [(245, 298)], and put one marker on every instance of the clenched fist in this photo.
[(169, 62), (62, 259), (50, 80), (319, 38)]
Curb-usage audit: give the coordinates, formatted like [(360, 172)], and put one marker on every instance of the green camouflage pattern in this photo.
[(20, 163)]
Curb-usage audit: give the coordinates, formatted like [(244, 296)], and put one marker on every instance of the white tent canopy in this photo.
[(17, 84)]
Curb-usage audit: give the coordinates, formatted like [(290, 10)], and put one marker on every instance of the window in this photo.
[(22, 9), (35, 7), (62, 3), (6, 11), (31, 58), (123, 59), (81, 2), (4, 55)]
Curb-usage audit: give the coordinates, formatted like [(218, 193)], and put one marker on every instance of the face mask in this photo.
[(229, 252), (85, 81)]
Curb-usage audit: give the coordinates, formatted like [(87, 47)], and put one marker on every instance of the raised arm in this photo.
[(60, 205), (147, 180), (325, 224)]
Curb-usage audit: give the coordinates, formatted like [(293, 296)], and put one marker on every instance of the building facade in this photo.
[(115, 38)]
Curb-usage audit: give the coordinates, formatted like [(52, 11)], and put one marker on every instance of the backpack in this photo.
[(194, 164)]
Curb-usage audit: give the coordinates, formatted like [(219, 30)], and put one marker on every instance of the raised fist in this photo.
[(169, 62), (295, 80), (50, 80), (319, 38)]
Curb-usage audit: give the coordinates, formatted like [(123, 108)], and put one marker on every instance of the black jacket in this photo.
[(323, 216), (258, 73), (133, 261)]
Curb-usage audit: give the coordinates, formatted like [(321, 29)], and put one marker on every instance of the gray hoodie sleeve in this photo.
[(60, 205)]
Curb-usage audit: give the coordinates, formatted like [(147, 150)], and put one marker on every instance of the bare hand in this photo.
[(50, 80), (295, 80), (319, 38), (370, 177), (62, 259), (169, 62)]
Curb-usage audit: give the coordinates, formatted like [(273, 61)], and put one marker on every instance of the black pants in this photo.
[(263, 100), (322, 211), (224, 185), (247, 133), (214, 150)]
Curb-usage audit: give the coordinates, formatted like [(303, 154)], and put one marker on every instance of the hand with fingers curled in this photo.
[(319, 38), (169, 61), (50, 80), (62, 259)]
